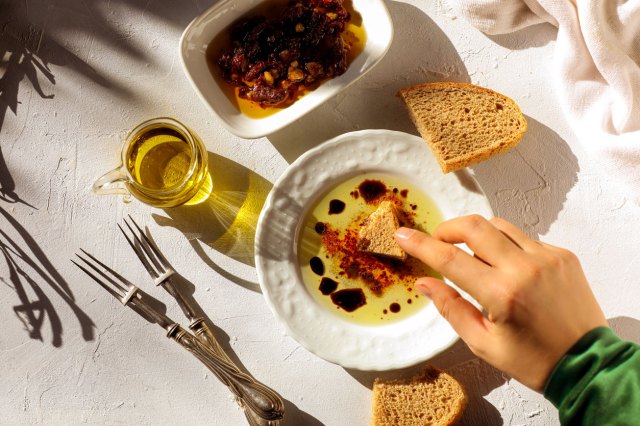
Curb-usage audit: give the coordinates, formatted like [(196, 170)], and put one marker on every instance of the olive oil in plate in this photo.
[(361, 287)]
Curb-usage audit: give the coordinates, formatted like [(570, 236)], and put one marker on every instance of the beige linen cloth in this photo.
[(596, 70)]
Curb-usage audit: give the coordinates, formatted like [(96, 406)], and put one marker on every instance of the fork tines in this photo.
[(118, 286), (151, 257)]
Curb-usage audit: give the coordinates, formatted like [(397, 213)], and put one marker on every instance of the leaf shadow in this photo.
[(28, 269), (28, 51)]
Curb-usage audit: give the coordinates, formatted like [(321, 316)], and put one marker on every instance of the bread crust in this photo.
[(388, 396), (479, 149)]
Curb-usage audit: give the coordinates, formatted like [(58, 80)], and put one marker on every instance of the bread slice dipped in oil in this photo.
[(377, 235)]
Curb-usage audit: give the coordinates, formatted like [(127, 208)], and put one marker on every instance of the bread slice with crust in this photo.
[(431, 397), (377, 235), (464, 124)]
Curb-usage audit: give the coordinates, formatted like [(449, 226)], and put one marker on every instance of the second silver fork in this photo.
[(163, 275), (262, 406)]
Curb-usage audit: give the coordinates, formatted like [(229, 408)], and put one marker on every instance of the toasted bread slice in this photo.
[(464, 124), (377, 234), (432, 397)]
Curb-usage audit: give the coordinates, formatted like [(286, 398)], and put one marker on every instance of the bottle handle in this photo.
[(111, 183)]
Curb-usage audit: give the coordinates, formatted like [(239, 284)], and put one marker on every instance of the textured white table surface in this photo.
[(76, 75)]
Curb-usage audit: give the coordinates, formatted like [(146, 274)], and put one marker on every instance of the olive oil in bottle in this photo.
[(166, 169), (159, 159), (164, 164)]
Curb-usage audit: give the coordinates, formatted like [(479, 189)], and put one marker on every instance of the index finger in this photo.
[(481, 236), (467, 272)]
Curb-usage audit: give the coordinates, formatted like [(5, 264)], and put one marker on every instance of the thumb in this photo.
[(465, 319)]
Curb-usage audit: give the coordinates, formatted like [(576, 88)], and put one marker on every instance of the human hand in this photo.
[(537, 299)]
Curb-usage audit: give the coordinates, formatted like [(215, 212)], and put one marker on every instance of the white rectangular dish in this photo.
[(198, 35)]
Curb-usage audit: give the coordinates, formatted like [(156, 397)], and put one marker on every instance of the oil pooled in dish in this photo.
[(282, 50), (357, 286)]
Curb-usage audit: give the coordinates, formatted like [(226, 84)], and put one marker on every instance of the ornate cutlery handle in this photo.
[(263, 401), (202, 332)]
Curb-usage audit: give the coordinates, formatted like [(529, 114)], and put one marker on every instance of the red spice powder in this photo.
[(378, 273), (405, 218)]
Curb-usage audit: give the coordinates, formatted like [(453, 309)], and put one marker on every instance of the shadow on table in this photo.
[(27, 53), (276, 241), (420, 52), (537, 35), (627, 328), (227, 220), (27, 269), (30, 41), (187, 289), (293, 416), (477, 377), (529, 184), (8, 186), (28, 50)]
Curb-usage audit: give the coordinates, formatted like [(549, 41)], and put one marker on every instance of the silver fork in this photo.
[(262, 406), (162, 273)]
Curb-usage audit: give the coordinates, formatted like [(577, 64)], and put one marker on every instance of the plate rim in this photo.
[(356, 362)]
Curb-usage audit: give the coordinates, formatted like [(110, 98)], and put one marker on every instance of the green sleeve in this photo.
[(598, 381)]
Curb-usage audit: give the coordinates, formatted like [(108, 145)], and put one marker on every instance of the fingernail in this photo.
[(404, 233), (424, 289)]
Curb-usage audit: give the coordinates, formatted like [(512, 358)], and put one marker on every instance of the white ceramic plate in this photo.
[(383, 347), (198, 35)]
